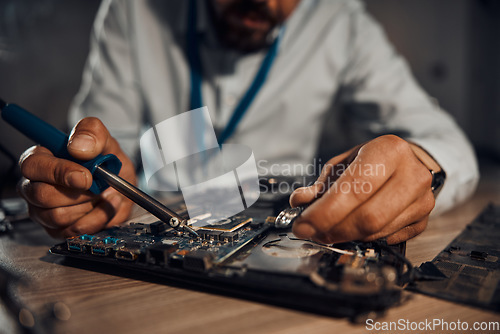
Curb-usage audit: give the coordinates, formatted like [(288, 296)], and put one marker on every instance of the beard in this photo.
[(245, 25)]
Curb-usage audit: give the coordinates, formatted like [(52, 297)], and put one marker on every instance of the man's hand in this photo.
[(385, 192), (57, 189)]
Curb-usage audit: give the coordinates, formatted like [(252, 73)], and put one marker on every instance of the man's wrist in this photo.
[(438, 174), (425, 158)]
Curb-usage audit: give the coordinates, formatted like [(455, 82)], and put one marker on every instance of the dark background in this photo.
[(453, 47)]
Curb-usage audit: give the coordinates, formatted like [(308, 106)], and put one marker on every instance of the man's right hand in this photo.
[(57, 190)]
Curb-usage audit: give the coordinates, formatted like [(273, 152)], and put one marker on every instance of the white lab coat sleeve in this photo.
[(381, 97), (110, 89)]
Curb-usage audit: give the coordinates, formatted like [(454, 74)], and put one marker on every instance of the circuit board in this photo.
[(470, 265), (157, 244), (246, 256)]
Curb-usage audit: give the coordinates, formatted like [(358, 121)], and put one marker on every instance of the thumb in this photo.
[(305, 195), (88, 139), (330, 172)]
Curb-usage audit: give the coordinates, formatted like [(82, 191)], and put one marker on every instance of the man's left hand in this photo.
[(385, 192)]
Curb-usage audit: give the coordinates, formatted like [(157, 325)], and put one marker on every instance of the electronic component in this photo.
[(247, 256), (130, 251), (228, 236), (228, 225), (250, 256), (198, 260), (153, 228), (210, 235), (468, 269), (158, 253)]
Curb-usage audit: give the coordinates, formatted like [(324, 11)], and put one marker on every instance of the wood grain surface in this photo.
[(101, 301)]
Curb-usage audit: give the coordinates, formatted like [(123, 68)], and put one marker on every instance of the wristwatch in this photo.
[(438, 174), (438, 179)]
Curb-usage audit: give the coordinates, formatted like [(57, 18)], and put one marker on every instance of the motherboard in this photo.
[(247, 256)]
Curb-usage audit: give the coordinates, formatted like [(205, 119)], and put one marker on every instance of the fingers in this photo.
[(39, 164), (95, 220), (410, 223), (385, 192), (90, 138), (416, 212), (329, 173), (60, 217), (86, 218), (305, 195), (108, 213), (408, 232), (90, 223), (48, 196), (397, 201), (56, 189), (354, 187)]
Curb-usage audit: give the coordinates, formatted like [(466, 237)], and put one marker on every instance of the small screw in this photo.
[(174, 222)]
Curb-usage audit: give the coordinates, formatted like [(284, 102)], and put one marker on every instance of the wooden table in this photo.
[(105, 303)]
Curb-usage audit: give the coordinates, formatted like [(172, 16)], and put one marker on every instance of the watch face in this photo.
[(437, 181)]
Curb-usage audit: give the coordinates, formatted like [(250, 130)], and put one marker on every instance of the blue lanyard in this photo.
[(196, 75)]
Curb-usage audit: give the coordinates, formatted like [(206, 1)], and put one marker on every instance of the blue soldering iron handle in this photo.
[(56, 141)]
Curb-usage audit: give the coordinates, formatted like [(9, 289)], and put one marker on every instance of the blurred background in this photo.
[(452, 46)]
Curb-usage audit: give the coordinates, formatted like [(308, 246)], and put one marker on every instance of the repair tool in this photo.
[(104, 168)]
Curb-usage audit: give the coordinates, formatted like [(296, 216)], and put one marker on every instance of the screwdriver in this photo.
[(104, 168), (287, 216)]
